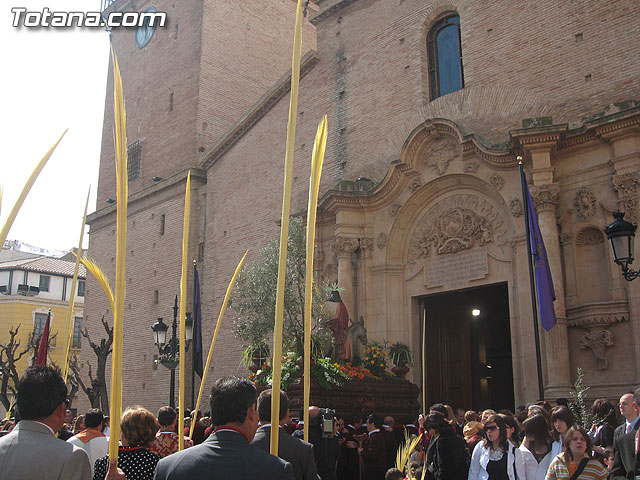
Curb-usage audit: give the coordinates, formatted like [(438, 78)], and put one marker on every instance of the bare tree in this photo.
[(98, 388), (93, 390), (10, 354)]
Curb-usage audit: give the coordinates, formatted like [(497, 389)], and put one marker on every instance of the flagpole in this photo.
[(534, 306)]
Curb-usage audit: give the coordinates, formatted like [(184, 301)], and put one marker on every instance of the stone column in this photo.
[(343, 247), (556, 341)]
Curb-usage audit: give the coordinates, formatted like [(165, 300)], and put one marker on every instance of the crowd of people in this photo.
[(538, 442)]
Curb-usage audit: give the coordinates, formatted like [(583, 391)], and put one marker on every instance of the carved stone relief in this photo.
[(393, 209), (497, 181), (598, 341), (565, 239), (366, 246), (545, 197), (343, 246), (585, 203), (439, 154), (589, 236), (471, 167), (455, 224), (516, 207), (415, 184), (625, 185), (382, 240)]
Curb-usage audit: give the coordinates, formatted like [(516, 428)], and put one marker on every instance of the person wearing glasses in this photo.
[(494, 457)]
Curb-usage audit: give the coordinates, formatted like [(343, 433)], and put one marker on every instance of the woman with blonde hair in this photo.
[(138, 427), (576, 463), (79, 425)]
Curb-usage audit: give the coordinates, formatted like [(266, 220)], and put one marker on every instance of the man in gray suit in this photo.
[(31, 450), (227, 453), (295, 451)]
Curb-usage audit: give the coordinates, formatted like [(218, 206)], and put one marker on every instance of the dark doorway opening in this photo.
[(468, 357)]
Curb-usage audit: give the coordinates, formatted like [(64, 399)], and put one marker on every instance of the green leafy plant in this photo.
[(255, 351), (578, 403), (400, 354), (290, 370), (328, 374), (254, 296)]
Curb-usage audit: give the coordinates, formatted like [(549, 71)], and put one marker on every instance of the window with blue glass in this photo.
[(445, 56)]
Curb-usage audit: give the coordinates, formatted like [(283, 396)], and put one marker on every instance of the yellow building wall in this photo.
[(21, 311)]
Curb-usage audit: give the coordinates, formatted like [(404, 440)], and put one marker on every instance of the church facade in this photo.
[(421, 218)]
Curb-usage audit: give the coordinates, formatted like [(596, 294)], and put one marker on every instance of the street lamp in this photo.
[(168, 352), (621, 235)]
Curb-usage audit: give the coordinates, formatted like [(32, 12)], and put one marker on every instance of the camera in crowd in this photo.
[(328, 420)]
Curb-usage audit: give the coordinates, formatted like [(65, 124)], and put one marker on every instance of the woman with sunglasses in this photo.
[(493, 458), (575, 462)]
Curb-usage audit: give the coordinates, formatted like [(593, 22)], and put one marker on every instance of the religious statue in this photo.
[(339, 326)]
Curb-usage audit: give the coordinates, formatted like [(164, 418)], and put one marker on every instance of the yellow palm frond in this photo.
[(405, 450), (25, 191), (93, 268)]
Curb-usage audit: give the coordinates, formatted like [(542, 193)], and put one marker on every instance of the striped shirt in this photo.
[(559, 470)]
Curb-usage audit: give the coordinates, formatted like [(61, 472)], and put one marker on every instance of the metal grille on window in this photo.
[(134, 160)]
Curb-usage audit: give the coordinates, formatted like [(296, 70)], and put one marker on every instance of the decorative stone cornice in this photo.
[(545, 197), (329, 10), (601, 314), (257, 111)]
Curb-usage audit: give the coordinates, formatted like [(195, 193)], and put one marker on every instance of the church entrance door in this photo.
[(468, 348)]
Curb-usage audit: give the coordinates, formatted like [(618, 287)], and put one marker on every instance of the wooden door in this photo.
[(448, 356)]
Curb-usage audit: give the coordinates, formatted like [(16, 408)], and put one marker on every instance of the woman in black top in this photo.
[(138, 429), (447, 457)]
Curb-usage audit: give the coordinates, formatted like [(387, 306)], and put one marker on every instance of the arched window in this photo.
[(445, 56)]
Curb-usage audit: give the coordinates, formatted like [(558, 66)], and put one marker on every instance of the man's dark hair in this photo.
[(230, 399), (264, 405), (439, 408), (166, 416), (40, 391), (436, 422), (375, 419), (636, 397), (393, 474), (93, 418), (562, 402)]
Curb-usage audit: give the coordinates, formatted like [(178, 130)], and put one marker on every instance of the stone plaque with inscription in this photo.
[(456, 269)]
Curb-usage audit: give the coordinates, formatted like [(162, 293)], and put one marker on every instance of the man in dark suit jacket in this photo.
[(295, 451), (625, 449), (227, 452), (629, 411), (373, 452)]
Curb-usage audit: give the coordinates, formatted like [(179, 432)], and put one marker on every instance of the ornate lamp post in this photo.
[(621, 235), (168, 352)]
